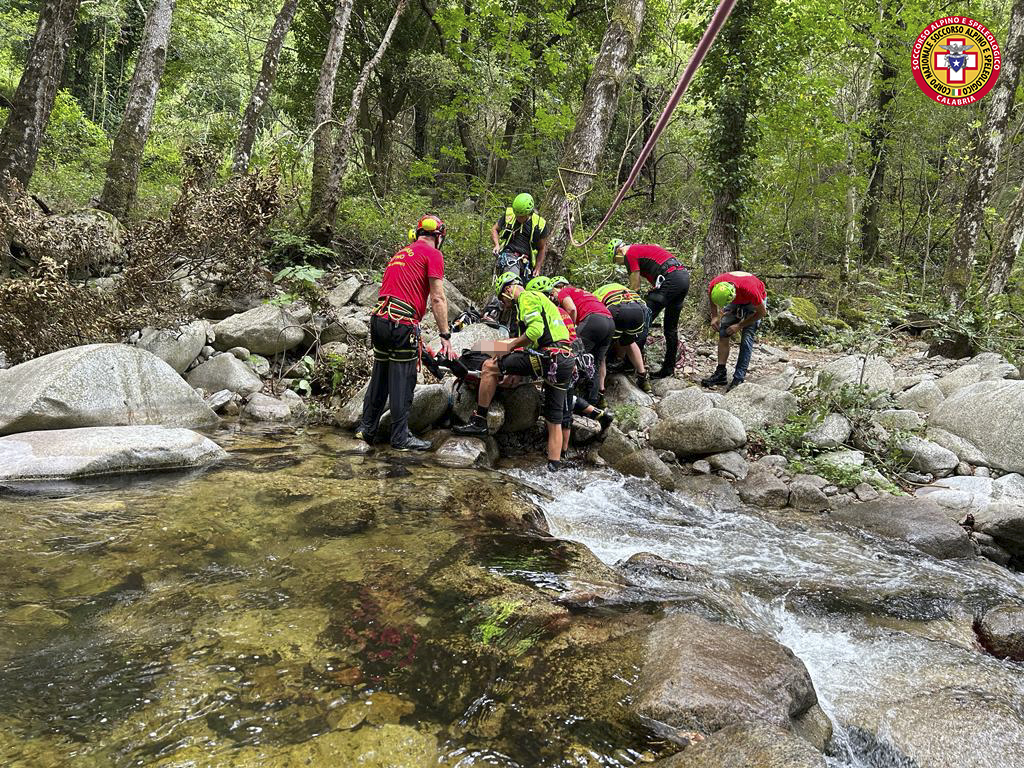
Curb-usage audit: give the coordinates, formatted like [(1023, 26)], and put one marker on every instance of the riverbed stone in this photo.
[(465, 452), (1001, 631), (225, 372), (899, 419), (924, 397), (429, 404), (843, 459), (60, 454), (646, 463), (871, 371), (679, 401), (806, 493), (522, 407), (758, 406), (783, 381), (668, 384), (699, 433), (959, 495), (98, 385), (747, 745), (988, 419), (263, 330), (343, 292), (763, 489), (731, 462), (262, 407), (464, 403), (928, 457), (704, 676), (367, 295), (620, 390), (1004, 522), (830, 433), (922, 524), (178, 347)]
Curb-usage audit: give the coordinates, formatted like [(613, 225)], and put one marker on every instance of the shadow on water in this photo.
[(303, 605)]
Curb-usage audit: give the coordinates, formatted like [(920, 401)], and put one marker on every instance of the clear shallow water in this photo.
[(300, 606), (881, 628)]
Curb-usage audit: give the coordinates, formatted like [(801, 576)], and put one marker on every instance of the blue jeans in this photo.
[(737, 313)]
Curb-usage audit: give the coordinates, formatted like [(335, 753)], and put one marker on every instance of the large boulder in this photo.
[(343, 292), (799, 318), (522, 407), (986, 419), (98, 385), (1001, 631), (263, 330), (429, 404), (988, 366), (1004, 523), (828, 433), (178, 347), (916, 521), (703, 676), (699, 433), (464, 402), (646, 463), (871, 371), (747, 745), (225, 372), (758, 406), (924, 397), (680, 401), (62, 454), (959, 495), (469, 336), (350, 414), (619, 390), (763, 489), (466, 452), (928, 457)]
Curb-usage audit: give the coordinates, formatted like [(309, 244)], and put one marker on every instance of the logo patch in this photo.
[(956, 60)]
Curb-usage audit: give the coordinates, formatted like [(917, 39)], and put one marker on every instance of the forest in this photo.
[(804, 151)]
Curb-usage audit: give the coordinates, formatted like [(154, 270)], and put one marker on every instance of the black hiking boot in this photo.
[(413, 444), (664, 372), (605, 419), (735, 383), (367, 437), (716, 379), (643, 381), (477, 425)]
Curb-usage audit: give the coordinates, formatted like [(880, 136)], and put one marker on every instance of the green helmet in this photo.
[(558, 280), (523, 204), (540, 283), (613, 246), (504, 280), (723, 293)]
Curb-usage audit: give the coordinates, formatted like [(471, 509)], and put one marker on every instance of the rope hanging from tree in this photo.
[(718, 20)]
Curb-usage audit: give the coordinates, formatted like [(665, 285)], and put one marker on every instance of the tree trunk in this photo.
[(586, 145), (261, 93), (419, 128), (871, 209), (323, 109), (516, 110), (126, 155), (322, 228), (1006, 255), (960, 262), (23, 133)]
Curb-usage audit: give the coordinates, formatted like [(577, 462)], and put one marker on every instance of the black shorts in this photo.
[(630, 321), (538, 367), (596, 333), (394, 342)]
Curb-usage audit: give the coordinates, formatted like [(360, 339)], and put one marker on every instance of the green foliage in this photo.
[(300, 283)]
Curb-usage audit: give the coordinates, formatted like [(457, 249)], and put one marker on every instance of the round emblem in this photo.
[(956, 60)]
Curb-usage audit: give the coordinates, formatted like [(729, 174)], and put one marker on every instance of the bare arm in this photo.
[(439, 306), (569, 306), (634, 280), (715, 318), (494, 237), (542, 252), (758, 314)]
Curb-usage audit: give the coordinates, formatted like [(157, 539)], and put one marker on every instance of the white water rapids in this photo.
[(816, 588)]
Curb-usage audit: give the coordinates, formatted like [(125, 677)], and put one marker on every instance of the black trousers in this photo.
[(395, 354), (669, 297), (596, 332)]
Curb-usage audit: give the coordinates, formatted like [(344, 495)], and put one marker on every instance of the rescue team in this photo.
[(562, 335)]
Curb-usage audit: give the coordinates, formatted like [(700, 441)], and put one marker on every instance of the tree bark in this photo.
[(261, 93), (33, 100), (1009, 246), (126, 155), (586, 145), (960, 262), (322, 228), (323, 109), (878, 140)]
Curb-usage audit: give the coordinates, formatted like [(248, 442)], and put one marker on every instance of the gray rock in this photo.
[(367, 295), (899, 420), (928, 457), (774, 462), (344, 292), (757, 406), (333, 349), (960, 495), (351, 413), (619, 390), (982, 472), (843, 459), (699, 433), (783, 381), (833, 431), (262, 407), (457, 302), (704, 676), (987, 419), (763, 489), (207, 353), (916, 478), (865, 492), (923, 398), (923, 524), (748, 745), (702, 467), (522, 407), (466, 452), (1008, 488), (904, 383), (871, 371), (98, 385), (259, 365), (263, 330), (241, 353), (1004, 522), (680, 401), (964, 469), (635, 418), (646, 463), (730, 462), (60, 454), (225, 372), (469, 336), (988, 366), (616, 447), (1001, 631), (178, 347), (218, 400), (662, 387), (353, 329), (584, 430), (429, 404), (293, 400), (806, 493), (464, 404)]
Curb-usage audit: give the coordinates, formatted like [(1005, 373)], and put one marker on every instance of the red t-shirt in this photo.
[(648, 260), (407, 276), (569, 324), (749, 289), (586, 303)]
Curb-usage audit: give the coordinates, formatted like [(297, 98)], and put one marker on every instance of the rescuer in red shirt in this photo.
[(413, 274), (737, 306)]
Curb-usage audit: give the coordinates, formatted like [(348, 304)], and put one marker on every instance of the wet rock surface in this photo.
[(748, 746)]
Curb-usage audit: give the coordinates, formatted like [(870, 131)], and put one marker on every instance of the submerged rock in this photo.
[(750, 745), (98, 385), (60, 454)]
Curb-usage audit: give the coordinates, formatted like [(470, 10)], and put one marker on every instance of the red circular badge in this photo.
[(956, 60)]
